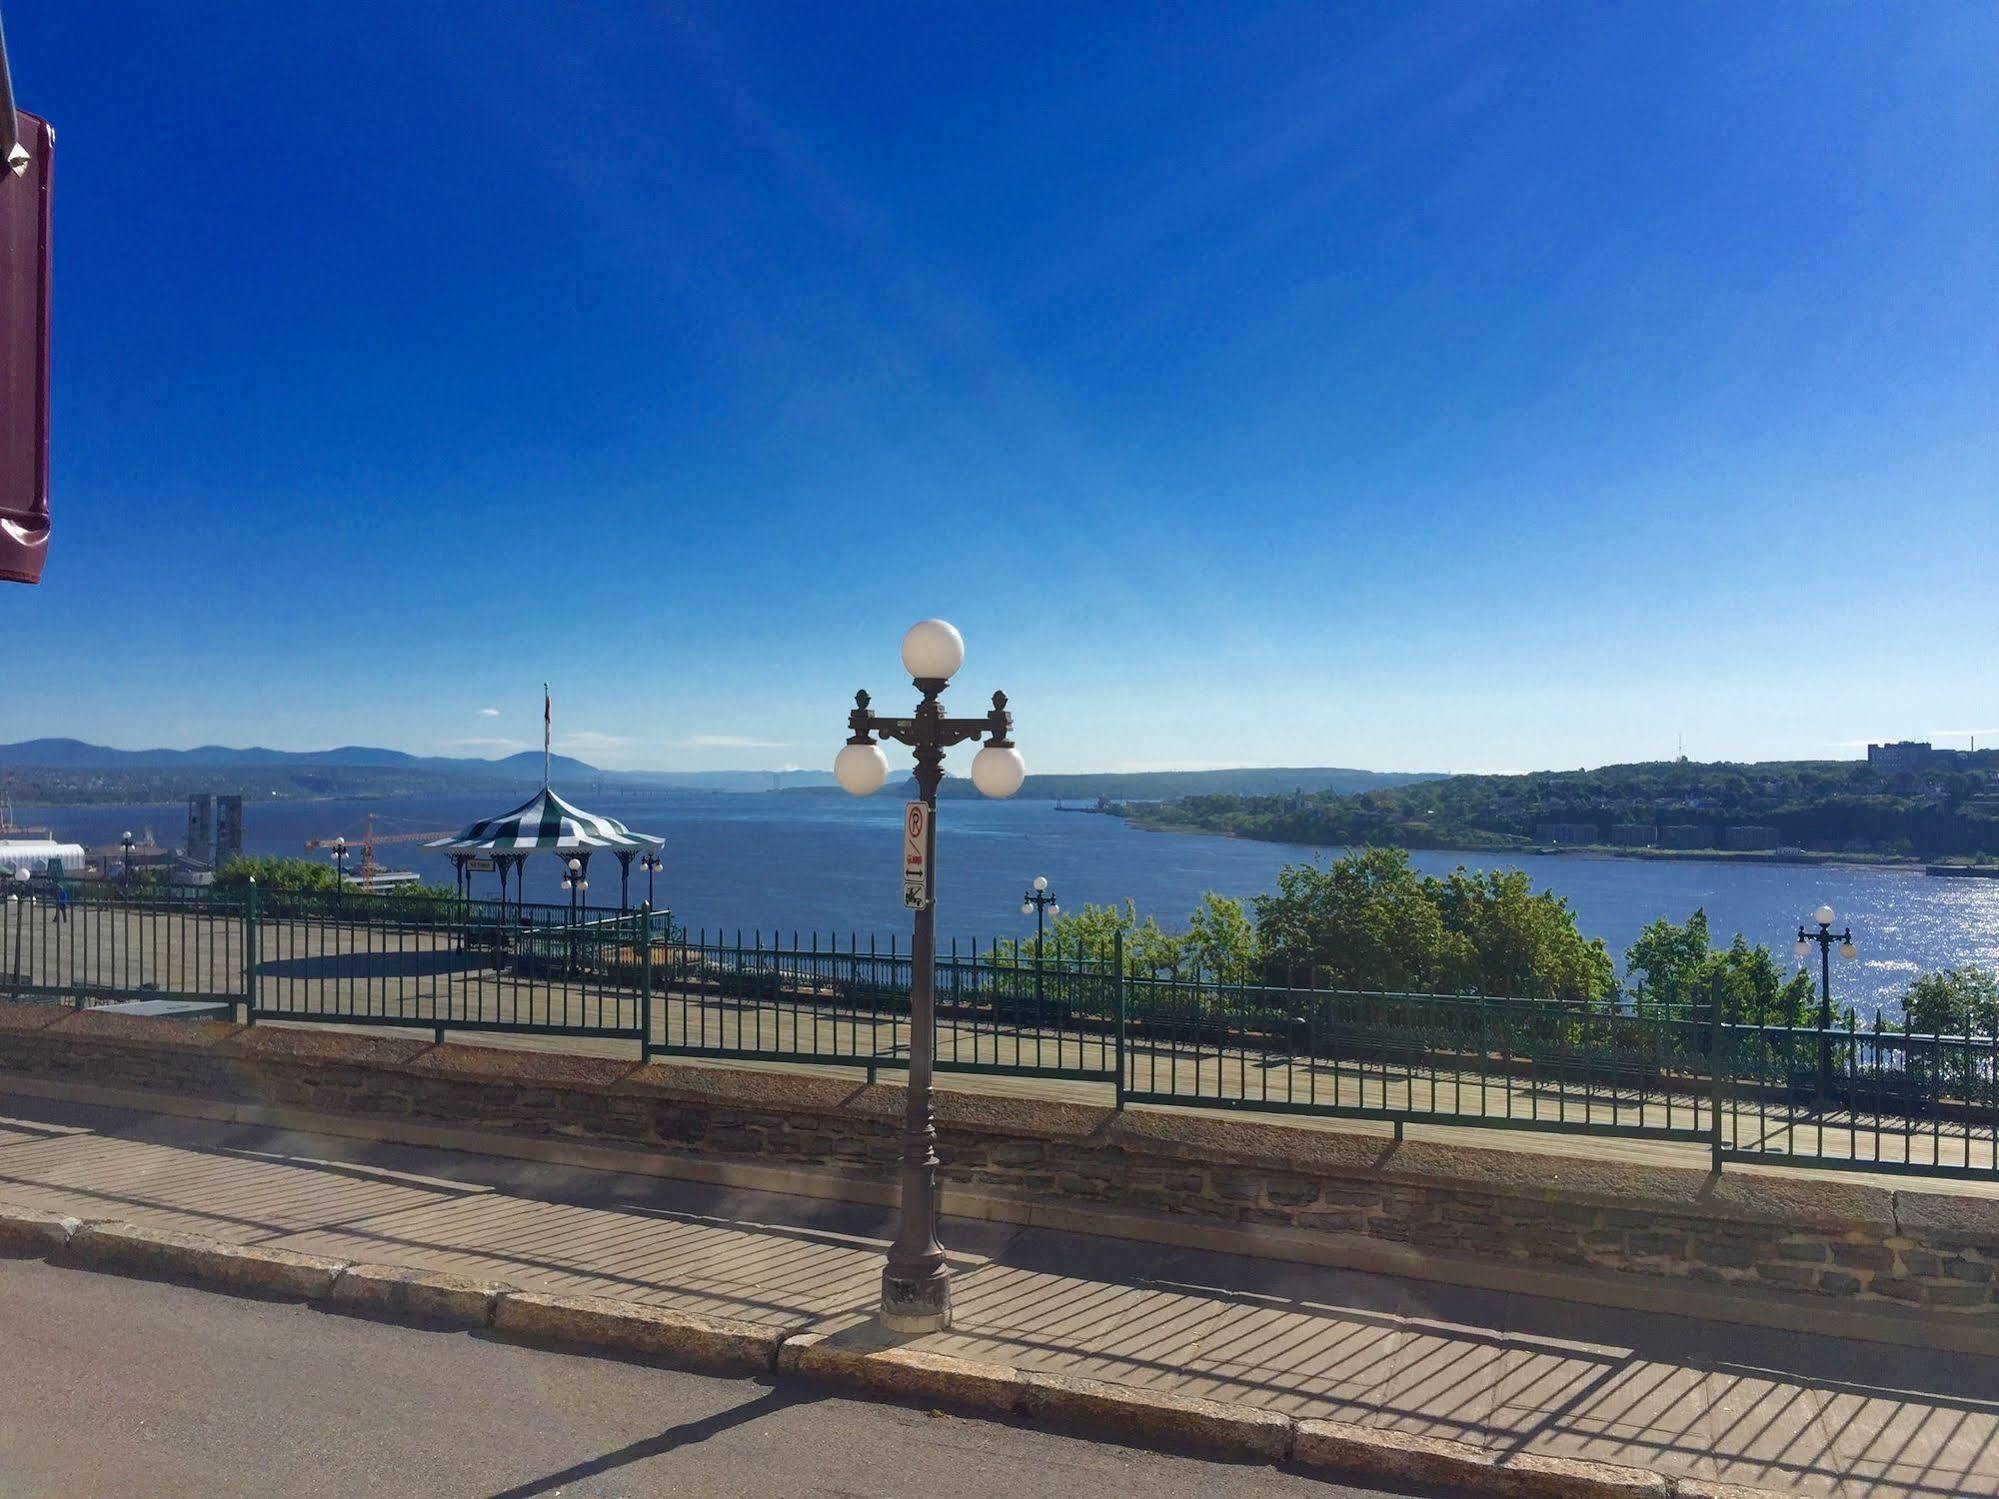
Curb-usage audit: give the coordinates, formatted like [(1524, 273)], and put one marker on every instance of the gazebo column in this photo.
[(624, 881), (501, 864), (521, 885)]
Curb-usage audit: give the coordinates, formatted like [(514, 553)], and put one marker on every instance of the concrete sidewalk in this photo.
[(1685, 1398)]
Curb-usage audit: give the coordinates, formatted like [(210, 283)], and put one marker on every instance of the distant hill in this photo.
[(60, 772), (1169, 785), (1949, 809)]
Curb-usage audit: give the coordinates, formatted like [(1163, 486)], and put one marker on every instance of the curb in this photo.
[(1397, 1457), (855, 1359), (397, 1294), (682, 1339), (176, 1256)]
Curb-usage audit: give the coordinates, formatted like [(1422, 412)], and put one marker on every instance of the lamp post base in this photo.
[(917, 1304)]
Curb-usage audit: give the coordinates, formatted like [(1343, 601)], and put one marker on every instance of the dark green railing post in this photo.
[(1117, 985), (1717, 1087), (250, 954), (645, 982)]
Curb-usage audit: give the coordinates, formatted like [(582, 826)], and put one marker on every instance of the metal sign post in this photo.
[(27, 145)]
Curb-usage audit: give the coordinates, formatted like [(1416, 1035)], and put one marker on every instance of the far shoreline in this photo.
[(1804, 858)]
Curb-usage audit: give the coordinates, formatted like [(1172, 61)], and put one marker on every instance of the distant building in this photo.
[(1634, 834), (1685, 835), (200, 827), (40, 856), (228, 829), (1904, 754), (1750, 836), (1566, 832)]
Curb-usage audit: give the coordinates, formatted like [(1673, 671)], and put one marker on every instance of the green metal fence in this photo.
[(811, 998), (1873, 1099)]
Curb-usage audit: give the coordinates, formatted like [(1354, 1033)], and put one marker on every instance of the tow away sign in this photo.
[(916, 855)]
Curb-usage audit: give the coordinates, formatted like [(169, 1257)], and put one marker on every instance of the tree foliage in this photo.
[(1674, 963), (1954, 1002), (1370, 921)]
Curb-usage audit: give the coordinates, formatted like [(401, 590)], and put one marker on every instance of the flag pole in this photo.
[(547, 718)]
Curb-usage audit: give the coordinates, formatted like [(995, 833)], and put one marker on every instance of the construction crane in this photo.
[(372, 841)]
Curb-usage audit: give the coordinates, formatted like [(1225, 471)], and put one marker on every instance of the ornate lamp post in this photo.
[(126, 844), (1826, 942), (1041, 901), (575, 882), (339, 857), (651, 864), (916, 1285)]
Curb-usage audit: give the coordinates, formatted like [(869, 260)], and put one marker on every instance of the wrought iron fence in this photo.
[(1872, 1099), (1875, 1099), (808, 998)]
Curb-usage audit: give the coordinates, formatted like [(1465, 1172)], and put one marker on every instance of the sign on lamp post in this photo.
[(916, 855), (27, 155)]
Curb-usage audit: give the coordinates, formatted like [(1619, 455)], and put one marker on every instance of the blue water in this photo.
[(799, 862)]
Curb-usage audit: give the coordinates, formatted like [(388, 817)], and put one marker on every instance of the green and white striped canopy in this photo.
[(546, 822)]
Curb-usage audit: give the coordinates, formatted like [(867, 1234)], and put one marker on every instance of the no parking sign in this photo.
[(916, 855)]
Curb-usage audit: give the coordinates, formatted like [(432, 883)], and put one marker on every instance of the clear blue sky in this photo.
[(1405, 386)]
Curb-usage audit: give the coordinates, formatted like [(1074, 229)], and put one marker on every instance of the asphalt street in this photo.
[(112, 1386)]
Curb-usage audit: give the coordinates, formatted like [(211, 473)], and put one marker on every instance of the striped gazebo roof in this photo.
[(546, 822)]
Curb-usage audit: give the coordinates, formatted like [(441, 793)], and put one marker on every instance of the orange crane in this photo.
[(370, 842)]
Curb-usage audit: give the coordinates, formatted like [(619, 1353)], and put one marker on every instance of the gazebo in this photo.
[(545, 823)]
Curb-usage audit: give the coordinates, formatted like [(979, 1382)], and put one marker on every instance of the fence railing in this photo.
[(1874, 1099)]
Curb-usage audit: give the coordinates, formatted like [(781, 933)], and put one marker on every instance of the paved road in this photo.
[(116, 1386)]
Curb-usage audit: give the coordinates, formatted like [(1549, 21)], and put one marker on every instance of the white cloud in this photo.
[(489, 713), (726, 742)]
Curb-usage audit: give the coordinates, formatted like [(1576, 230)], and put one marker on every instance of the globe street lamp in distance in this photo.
[(1826, 941), (916, 1283), (1039, 900)]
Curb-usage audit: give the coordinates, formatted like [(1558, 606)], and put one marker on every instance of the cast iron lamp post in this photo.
[(340, 864), (574, 882), (651, 864), (916, 1284), (1826, 942), (126, 844), (1041, 901)]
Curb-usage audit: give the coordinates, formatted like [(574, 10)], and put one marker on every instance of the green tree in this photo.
[(277, 874), (1221, 940), (1504, 937), (1674, 964), (1364, 921), (1953, 1002)]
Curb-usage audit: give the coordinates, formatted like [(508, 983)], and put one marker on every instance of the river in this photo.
[(803, 861)]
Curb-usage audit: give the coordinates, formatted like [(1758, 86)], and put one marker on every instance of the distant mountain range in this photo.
[(1166, 785), (63, 771), (60, 771)]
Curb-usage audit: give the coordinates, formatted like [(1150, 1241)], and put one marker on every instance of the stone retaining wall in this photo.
[(1815, 1237)]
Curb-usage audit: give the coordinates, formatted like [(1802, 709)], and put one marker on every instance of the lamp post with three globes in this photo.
[(916, 1283)]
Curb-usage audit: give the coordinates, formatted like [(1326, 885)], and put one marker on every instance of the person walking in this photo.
[(62, 902)]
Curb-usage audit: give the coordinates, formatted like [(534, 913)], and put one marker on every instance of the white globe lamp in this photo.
[(998, 770), (860, 769), (933, 650), (1823, 916), (1848, 950)]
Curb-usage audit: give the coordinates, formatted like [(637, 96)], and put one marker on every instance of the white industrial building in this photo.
[(40, 856)]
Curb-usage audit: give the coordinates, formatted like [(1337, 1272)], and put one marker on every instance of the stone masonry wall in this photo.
[(1792, 1235)]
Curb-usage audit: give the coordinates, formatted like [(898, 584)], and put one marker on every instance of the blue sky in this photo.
[(1462, 387)]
